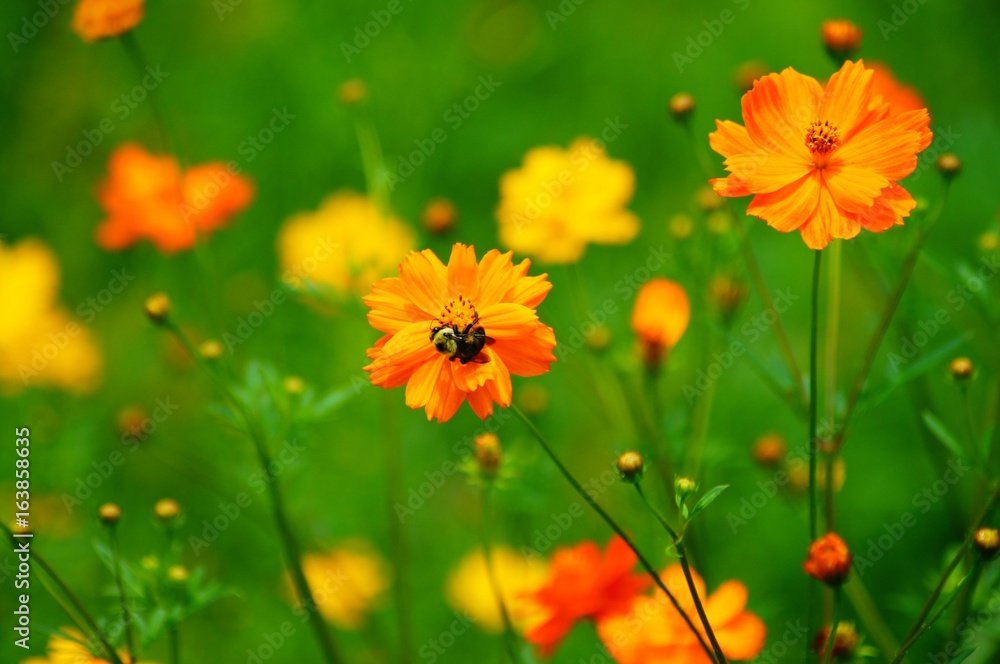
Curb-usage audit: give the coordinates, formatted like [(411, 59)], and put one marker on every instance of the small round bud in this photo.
[(131, 420), (210, 349), (841, 37), (680, 227), (949, 165), (747, 73), (488, 453), (352, 91), (167, 510), (829, 560), (681, 106), (961, 368), (684, 487), (178, 573), (439, 215), (533, 399), (718, 222), (630, 467), (728, 296), (599, 338), (708, 200), (770, 449), (845, 641), (158, 308), (294, 385), (987, 542), (150, 563), (988, 241), (109, 513)]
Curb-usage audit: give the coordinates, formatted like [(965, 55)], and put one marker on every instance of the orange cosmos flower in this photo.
[(653, 632), (146, 196), (829, 560), (900, 96), (100, 19), (821, 161), (660, 317), (457, 332), (583, 584)]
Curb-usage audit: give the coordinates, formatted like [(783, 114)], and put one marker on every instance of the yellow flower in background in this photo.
[(347, 582), (559, 201), (469, 589), (70, 649), (40, 343), (347, 244)]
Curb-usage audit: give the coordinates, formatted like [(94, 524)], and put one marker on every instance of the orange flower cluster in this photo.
[(101, 19), (829, 560), (456, 332), (823, 161), (149, 197)]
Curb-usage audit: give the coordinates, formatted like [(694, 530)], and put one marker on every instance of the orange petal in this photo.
[(481, 402), (463, 271), (496, 274), (730, 138), (528, 356), (887, 148), (847, 99), (508, 320), (742, 638), (446, 398), (391, 309), (764, 172), (401, 355), (853, 188), (500, 387), (473, 375), (889, 209), (791, 206), (779, 108), (727, 602), (730, 186), (420, 388), (423, 279), (529, 291)]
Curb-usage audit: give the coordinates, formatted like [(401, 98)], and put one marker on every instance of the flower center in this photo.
[(459, 313), (823, 137)]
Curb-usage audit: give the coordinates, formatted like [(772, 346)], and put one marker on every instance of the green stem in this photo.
[(135, 54), (122, 595), (96, 633), (831, 339), (173, 644), (510, 637), (397, 533), (813, 396), (870, 617), (682, 556), (831, 638), (661, 446), (646, 565)]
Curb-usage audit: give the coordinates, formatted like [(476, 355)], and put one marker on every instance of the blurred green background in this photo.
[(231, 63)]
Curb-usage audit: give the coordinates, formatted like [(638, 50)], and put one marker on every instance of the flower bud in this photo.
[(747, 73), (987, 542), (708, 200), (961, 368), (109, 513), (599, 338), (845, 641), (769, 449), (488, 453), (684, 487), (293, 385), (131, 420), (533, 399), (439, 216), (841, 38), (728, 296), (829, 560), (949, 165), (681, 106), (167, 510), (630, 467), (680, 227), (988, 241), (210, 349), (352, 91), (178, 573), (158, 308)]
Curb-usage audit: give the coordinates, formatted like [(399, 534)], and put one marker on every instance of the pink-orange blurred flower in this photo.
[(841, 37), (583, 583), (821, 161), (659, 318), (100, 19), (829, 560), (456, 332), (653, 632), (149, 197), (900, 96)]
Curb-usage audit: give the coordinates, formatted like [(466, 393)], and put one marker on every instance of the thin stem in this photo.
[(135, 54), (397, 533), (510, 638), (831, 638), (682, 556), (173, 644), (887, 315), (922, 628), (870, 617), (78, 606), (831, 339), (813, 396), (646, 565), (122, 595), (661, 446)]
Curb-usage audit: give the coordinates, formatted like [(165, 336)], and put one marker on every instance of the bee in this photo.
[(464, 345)]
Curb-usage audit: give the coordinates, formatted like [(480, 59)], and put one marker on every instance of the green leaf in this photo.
[(707, 499), (914, 370), (940, 431)]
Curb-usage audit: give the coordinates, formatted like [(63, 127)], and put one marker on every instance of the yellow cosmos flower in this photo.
[(468, 588), (70, 649), (559, 201), (347, 582), (347, 244), (40, 343)]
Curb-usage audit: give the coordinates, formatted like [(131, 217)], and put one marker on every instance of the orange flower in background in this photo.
[(149, 197), (821, 161), (41, 344), (659, 318), (841, 37), (829, 560), (100, 19), (457, 332), (583, 583), (559, 201), (653, 632), (900, 96)]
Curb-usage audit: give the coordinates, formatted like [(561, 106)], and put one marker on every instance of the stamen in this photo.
[(823, 137)]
